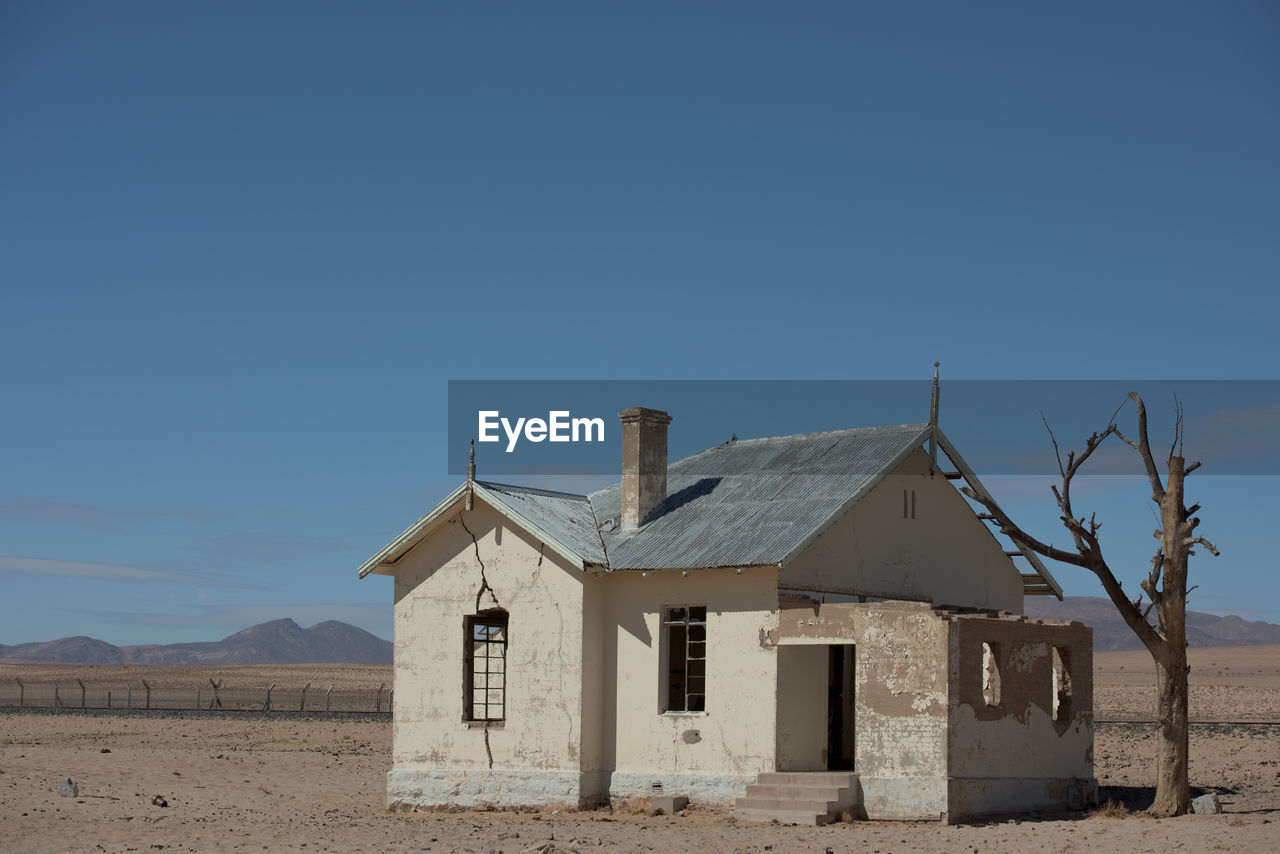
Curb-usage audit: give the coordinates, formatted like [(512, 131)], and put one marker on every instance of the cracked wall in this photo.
[(944, 555), (478, 560)]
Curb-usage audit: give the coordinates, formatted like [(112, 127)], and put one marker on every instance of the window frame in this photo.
[(493, 620), (687, 625)]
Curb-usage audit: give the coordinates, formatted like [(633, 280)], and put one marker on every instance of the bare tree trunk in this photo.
[(1166, 585), (1173, 792)]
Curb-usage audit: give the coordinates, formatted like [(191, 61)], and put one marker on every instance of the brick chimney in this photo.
[(644, 463)]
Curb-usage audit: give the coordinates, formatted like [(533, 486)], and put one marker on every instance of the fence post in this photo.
[(326, 698), (108, 699), (266, 706), (22, 691), (378, 705), (216, 701), (57, 697), (128, 699), (81, 684), (197, 696), (148, 687), (302, 706)]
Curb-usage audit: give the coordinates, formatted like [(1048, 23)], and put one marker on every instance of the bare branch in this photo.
[(1144, 448), (1189, 469), (1013, 532), (1191, 541), (1117, 412), (1177, 427), (1052, 438)]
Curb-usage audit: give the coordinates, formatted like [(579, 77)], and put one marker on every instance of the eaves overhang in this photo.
[(384, 562)]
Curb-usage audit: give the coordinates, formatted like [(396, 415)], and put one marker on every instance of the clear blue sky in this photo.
[(244, 246)]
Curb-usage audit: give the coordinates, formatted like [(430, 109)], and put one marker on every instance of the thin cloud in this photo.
[(29, 509), (253, 547), (36, 567)]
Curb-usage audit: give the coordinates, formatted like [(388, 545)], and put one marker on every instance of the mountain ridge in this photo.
[(279, 641), (1110, 632)]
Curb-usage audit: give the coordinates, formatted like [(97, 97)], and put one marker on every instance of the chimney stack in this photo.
[(644, 463)]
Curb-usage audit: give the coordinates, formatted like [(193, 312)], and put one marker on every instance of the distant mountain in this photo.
[(1110, 632), (275, 642)]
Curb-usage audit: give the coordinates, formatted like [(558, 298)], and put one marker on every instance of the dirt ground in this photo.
[(318, 785)]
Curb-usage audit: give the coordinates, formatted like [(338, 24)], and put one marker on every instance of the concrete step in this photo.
[(823, 807), (807, 778), (807, 793), (784, 816)]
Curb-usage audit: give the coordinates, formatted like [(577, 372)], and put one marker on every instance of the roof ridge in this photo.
[(535, 490), (844, 431)]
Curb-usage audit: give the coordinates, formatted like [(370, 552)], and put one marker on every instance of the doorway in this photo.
[(840, 707)]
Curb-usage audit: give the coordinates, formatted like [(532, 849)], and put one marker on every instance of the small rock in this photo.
[(68, 789), (1206, 804), (105, 750)]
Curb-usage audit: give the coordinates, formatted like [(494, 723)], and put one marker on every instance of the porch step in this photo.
[(797, 797), (783, 816)]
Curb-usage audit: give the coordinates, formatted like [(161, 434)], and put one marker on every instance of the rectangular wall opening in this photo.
[(1061, 684), (840, 707)]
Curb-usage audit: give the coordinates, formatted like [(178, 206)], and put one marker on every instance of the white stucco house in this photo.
[(797, 625)]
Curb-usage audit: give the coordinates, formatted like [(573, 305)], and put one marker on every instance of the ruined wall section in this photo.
[(901, 700), (1021, 735), (912, 537), (478, 560)]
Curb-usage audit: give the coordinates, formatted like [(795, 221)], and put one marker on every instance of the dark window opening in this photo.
[(685, 628), (485, 694)]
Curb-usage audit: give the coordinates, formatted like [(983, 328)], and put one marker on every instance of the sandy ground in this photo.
[(318, 785)]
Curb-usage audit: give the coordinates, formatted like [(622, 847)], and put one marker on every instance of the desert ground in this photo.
[(290, 783)]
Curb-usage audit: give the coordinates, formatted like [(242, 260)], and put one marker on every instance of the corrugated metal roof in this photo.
[(750, 502), (562, 516), (754, 502)]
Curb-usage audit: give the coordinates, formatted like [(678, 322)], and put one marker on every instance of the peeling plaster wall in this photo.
[(734, 739), (944, 555), (900, 684), (1014, 755), (927, 744), (436, 585)]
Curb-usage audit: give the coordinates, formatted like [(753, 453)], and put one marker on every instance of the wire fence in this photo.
[(206, 695)]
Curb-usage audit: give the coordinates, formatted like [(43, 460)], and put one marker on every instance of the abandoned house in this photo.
[(798, 626)]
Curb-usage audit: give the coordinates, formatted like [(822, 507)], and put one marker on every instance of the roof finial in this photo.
[(471, 477), (933, 421)]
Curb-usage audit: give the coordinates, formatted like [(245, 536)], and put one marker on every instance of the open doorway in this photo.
[(840, 708)]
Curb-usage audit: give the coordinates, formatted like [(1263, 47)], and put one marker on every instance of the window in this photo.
[(991, 674), (685, 631), (485, 693), (908, 504)]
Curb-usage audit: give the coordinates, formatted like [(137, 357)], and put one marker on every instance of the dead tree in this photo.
[(1165, 585)]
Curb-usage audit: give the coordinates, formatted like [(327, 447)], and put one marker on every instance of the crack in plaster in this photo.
[(573, 750), (484, 581)]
